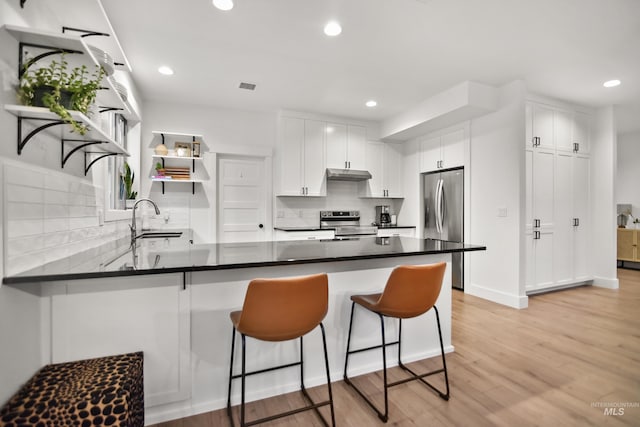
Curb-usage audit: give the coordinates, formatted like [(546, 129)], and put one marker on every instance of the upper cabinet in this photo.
[(301, 157), (551, 128), (443, 151), (346, 146), (384, 162)]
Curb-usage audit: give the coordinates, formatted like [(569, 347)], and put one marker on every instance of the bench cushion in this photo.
[(107, 391)]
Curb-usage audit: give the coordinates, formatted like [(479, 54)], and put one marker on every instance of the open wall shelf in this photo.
[(95, 144), (165, 138), (107, 99)]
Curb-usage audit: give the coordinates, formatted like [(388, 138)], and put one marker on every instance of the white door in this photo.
[(563, 215), (581, 211), (242, 200), (336, 145), (393, 171), (430, 154), (375, 165), (452, 149), (291, 157), (543, 215), (314, 158), (356, 146)]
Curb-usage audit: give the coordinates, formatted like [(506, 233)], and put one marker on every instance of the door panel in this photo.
[(542, 125), (581, 212), (314, 158), (563, 231), (336, 145), (356, 146), (453, 149), (241, 200)]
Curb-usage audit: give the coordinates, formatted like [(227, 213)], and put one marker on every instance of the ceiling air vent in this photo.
[(248, 86)]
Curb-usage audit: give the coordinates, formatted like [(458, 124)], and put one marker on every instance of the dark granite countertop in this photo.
[(302, 228), (173, 255), (312, 228)]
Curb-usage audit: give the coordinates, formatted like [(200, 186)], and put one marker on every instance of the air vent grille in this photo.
[(248, 86)]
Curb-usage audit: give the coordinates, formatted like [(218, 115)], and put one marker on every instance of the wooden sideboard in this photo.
[(628, 245)]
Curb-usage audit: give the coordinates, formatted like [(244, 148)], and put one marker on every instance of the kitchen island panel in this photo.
[(212, 331)]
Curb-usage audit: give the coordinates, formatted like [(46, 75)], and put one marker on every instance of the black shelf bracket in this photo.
[(88, 153), (22, 67), (85, 33), (22, 142), (22, 2), (102, 109), (64, 158)]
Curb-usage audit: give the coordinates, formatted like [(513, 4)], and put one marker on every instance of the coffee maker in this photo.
[(383, 216)]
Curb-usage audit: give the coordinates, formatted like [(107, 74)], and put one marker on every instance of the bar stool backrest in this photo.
[(285, 308), (411, 290)]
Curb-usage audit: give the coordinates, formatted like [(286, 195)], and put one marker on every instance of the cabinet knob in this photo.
[(260, 226)]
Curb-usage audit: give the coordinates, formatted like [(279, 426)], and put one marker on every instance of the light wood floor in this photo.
[(545, 365)]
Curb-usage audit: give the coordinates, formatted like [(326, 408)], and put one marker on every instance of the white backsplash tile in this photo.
[(51, 215)]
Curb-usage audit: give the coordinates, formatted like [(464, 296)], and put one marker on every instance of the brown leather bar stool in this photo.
[(411, 290), (281, 310)]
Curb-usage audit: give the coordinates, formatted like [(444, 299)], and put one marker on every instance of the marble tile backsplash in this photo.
[(50, 215)]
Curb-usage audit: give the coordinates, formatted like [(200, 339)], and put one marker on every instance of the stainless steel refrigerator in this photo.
[(444, 214)]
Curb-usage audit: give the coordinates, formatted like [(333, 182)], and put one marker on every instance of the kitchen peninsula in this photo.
[(171, 299)]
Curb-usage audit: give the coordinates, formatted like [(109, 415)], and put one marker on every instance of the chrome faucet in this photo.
[(133, 217)]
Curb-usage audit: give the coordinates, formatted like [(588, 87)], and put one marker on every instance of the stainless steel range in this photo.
[(346, 224)]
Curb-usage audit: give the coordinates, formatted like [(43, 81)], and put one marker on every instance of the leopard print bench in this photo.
[(107, 391)]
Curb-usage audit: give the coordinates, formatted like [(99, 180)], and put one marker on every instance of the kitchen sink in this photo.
[(160, 234)]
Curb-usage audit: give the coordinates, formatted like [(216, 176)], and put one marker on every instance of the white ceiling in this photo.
[(398, 52)]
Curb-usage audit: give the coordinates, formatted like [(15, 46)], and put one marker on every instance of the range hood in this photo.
[(347, 175)]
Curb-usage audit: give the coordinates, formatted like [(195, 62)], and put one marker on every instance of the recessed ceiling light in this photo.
[(371, 103), (223, 4), (611, 83), (332, 28), (165, 70)]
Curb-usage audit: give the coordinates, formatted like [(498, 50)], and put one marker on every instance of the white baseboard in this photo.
[(608, 283), (163, 413), (515, 301)]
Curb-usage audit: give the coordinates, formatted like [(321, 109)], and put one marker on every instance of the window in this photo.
[(116, 164)]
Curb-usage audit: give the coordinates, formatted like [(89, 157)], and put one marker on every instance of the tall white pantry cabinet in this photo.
[(557, 197)]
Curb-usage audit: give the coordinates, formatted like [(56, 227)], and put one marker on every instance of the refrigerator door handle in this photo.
[(439, 206)]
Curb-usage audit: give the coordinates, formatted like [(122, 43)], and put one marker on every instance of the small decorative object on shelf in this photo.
[(61, 90), (196, 149), (161, 150), (183, 149)]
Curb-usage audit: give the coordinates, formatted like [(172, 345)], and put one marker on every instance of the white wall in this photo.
[(603, 199), (497, 181), (628, 172), (222, 129)]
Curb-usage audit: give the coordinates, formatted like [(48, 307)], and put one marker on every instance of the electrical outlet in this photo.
[(502, 212)]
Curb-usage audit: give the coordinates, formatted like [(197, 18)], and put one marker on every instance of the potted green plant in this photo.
[(60, 89), (127, 180), (159, 169)]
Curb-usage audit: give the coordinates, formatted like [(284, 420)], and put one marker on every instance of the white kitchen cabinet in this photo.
[(384, 162), (539, 125), (557, 199), (443, 151), (346, 146), (581, 133), (283, 235), (152, 316), (403, 232), (301, 157), (540, 225)]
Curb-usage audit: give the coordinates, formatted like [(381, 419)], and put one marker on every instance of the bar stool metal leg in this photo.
[(384, 416), (233, 341)]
